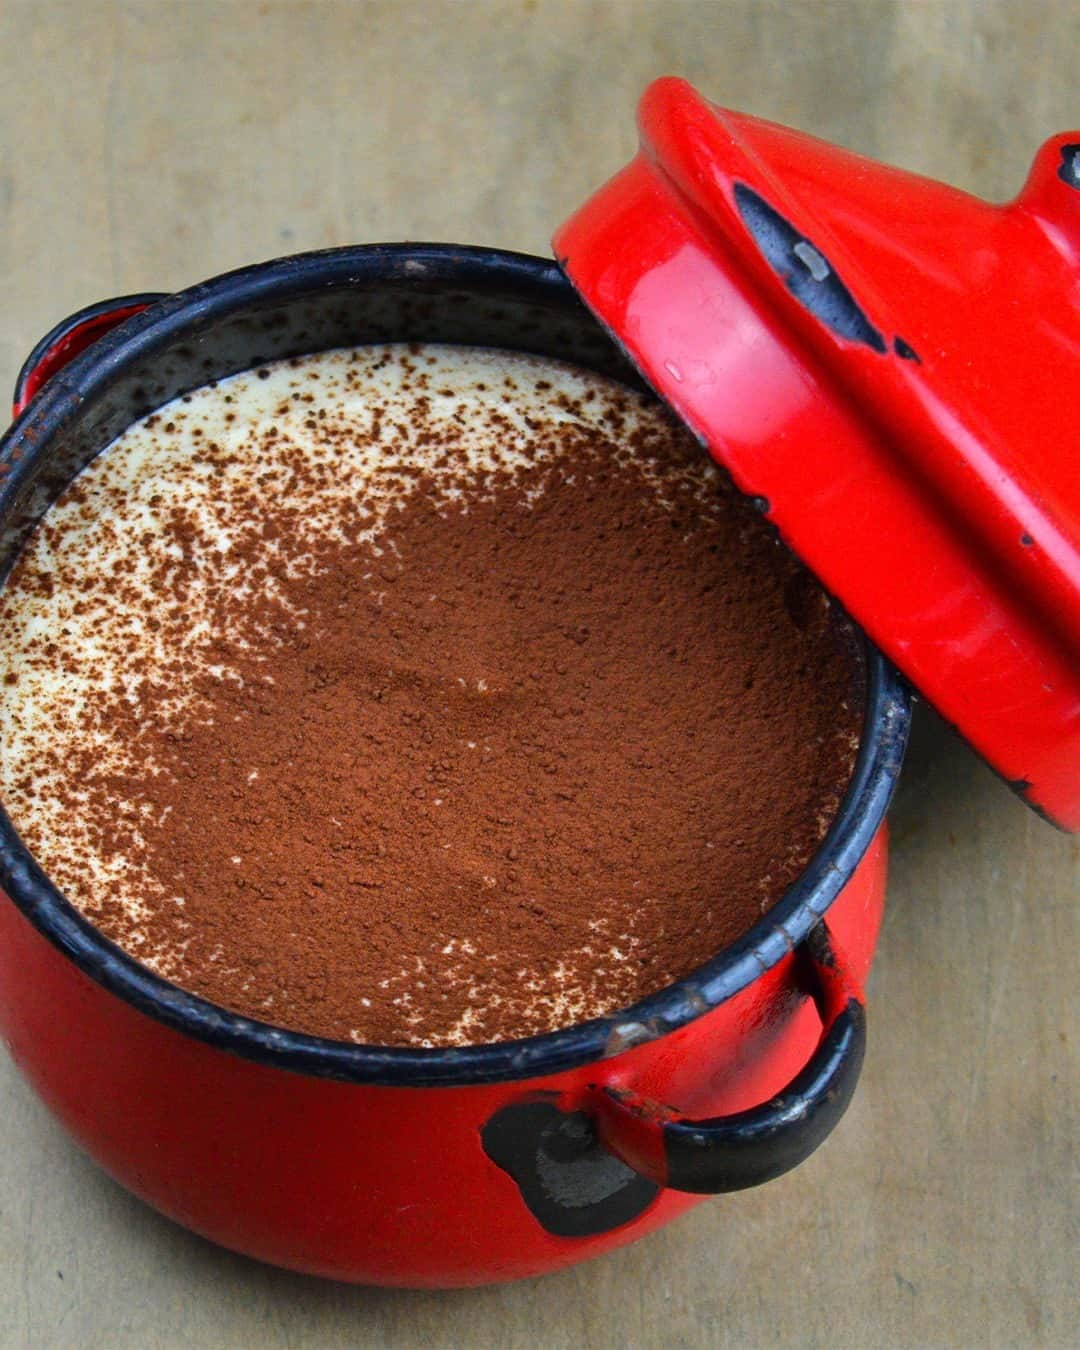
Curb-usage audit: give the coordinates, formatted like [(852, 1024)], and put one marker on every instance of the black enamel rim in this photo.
[(785, 925)]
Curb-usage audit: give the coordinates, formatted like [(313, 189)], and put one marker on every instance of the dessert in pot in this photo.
[(419, 695)]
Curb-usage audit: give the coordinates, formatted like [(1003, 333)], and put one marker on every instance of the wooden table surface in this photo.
[(149, 145)]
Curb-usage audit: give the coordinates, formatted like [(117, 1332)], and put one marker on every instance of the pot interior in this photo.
[(349, 297), (294, 307)]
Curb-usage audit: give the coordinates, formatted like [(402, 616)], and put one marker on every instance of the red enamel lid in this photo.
[(891, 366)]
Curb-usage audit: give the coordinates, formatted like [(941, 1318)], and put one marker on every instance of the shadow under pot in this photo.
[(400, 1166)]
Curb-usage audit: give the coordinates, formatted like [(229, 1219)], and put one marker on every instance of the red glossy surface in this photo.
[(938, 497), (372, 1184), (74, 340)]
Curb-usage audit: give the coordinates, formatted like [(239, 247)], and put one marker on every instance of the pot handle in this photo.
[(72, 336), (730, 1153)]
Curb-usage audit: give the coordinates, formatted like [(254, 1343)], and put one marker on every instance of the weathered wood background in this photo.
[(148, 145)]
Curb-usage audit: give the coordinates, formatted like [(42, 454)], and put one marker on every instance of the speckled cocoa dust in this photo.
[(500, 742)]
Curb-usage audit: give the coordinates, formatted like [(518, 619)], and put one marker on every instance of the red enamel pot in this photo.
[(407, 1166)]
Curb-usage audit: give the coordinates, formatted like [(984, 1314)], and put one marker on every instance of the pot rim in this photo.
[(774, 936)]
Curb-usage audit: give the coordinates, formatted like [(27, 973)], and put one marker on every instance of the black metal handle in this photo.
[(71, 336), (730, 1153)]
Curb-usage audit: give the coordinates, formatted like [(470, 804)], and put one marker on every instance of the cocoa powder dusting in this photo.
[(470, 747)]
